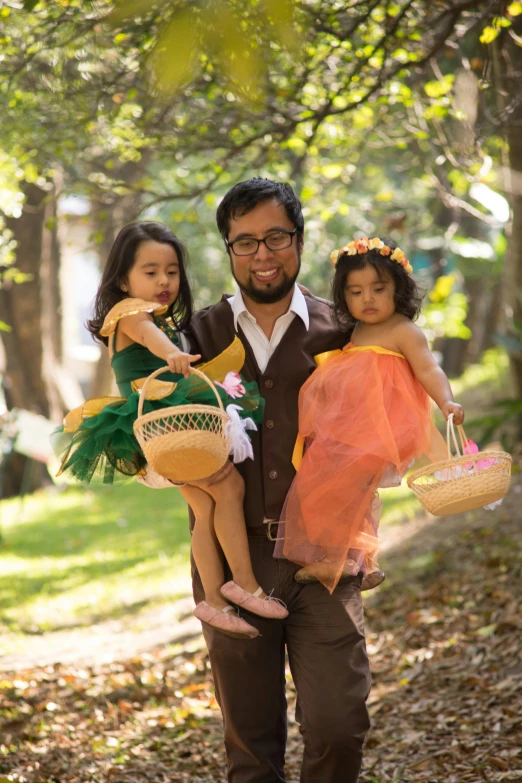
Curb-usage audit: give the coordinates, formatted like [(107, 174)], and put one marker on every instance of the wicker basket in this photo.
[(183, 442), (461, 483)]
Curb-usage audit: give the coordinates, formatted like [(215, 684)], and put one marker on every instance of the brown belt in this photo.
[(266, 530)]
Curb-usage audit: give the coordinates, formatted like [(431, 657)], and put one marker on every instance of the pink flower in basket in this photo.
[(472, 448), (232, 385)]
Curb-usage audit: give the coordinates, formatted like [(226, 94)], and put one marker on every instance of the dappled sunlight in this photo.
[(75, 558)]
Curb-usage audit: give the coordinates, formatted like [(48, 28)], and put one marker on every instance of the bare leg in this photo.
[(207, 552), (229, 525)]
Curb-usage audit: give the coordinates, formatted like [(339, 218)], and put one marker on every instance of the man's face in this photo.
[(266, 276)]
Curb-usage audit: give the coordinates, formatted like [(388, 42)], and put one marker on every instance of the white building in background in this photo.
[(80, 276)]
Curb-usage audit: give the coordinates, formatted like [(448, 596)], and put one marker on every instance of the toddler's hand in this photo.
[(456, 409), (180, 362)]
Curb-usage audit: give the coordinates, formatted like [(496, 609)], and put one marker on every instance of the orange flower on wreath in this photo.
[(361, 245)]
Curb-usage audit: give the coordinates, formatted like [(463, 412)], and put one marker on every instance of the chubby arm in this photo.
[(414, 346), (140, 328)]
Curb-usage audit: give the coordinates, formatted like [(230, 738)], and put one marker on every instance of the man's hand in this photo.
[(215, 478), (180, 362)]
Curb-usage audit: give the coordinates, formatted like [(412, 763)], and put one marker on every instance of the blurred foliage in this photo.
[(502, 422), (381, 114), (446, 310)]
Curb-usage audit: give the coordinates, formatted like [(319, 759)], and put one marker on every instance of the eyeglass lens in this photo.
[(277, 241)]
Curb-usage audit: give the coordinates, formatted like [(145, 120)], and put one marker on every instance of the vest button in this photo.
[(273, 474), (270, 424), (268, 383)]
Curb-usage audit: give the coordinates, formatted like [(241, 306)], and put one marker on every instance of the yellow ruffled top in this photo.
[(129, 307)]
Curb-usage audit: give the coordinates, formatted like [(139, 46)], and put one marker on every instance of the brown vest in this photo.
[(269, 475)]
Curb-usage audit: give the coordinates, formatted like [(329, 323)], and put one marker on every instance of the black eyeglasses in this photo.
[(247, 246)]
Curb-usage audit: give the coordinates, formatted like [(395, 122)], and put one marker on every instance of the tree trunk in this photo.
[(508, 73), (55, 375), (514, 136), (20, 305), (493, 318), (21, 308), (110, 213)]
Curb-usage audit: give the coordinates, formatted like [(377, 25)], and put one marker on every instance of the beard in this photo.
[(270, 294)]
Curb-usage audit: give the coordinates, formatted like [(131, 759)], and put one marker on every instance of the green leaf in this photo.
[(501, 21), (4, 327), (439, 87), (130, 9), (489, 34), (173, 59), (487, 630), (281, 13)]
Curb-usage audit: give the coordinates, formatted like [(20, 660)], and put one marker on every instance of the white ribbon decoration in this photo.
[(153, 480), (235, 429)]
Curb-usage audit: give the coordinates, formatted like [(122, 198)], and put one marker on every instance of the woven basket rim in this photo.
[(180, 410), (464, 460)]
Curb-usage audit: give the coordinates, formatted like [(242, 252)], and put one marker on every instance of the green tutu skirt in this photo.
[(104, 448)]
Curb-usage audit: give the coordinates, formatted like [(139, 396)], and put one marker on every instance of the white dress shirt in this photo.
[(263, 347)]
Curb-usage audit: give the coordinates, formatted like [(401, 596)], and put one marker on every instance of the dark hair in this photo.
[(121, 260), (408, 298), (245, 196)]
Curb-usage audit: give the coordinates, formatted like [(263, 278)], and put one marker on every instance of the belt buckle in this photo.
[(269, 523)]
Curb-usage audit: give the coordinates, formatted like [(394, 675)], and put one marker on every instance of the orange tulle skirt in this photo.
[(365, 418)]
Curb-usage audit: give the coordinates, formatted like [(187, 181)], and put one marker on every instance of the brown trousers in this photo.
[(324, 636)]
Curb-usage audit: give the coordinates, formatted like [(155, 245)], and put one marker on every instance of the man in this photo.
[(282, 329)]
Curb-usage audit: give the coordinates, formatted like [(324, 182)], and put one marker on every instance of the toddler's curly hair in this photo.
[(408, 297)]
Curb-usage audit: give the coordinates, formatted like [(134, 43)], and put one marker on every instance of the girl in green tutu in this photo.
[(142, 307)]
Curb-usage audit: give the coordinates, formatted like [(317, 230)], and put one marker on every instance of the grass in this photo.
[(77, 557), (71, 558)]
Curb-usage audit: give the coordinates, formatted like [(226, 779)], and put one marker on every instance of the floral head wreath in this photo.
[(361, 246)]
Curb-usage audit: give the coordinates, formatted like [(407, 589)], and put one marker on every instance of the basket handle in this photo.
[(167, 369), (450, 435)]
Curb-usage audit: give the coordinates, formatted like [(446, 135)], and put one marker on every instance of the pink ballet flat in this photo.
[(372, 579), (225, 620), (273, 608)]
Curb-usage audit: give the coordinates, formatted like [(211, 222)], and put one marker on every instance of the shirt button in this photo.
[(273, 474), (270, 424), (269, 383)]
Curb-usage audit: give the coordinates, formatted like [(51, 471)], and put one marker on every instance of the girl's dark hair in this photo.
[(408, 298), (121, 260)]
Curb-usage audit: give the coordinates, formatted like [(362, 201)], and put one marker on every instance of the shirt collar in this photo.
[(297, 306)]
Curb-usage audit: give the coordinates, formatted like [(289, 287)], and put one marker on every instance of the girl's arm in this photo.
[(414, 346), (140, 328)]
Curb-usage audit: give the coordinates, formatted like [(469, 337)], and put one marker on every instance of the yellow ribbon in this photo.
[(89, 408), (297, 454), (321, 358), (374, 348), (231, 359)]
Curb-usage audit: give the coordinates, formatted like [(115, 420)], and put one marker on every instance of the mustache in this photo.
[(271, 294)]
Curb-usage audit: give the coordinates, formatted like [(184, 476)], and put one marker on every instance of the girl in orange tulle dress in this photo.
[(364, 417)]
